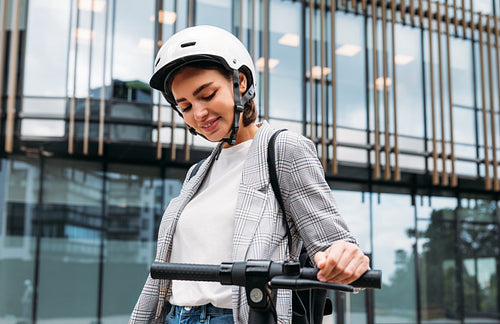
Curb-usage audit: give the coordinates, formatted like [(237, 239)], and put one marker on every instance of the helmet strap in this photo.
[(238, 109)]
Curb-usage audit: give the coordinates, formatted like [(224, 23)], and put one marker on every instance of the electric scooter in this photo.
[(261, 280)]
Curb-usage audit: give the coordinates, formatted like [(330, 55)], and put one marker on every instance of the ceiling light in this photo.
[(348, 50), (289, 40), (316, 72), (99, 5), (403, 59), (83, 35), (380, 83), (260, 64), (167, 17)]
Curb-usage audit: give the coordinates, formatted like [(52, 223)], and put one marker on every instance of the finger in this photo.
[(329, 270), (354, 269), (320, 259)]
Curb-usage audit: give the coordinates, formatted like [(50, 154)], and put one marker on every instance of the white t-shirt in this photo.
[(204, 232)]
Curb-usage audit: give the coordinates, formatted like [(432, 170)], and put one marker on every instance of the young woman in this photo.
[(227, 211)]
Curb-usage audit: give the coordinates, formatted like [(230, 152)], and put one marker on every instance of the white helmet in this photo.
[(201, 43)]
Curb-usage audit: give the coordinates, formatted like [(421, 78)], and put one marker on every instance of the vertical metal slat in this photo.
[(311, 60), (472, 27), (464, 21), (497, 48), (453, 180), (455, 18), (421, 11), (402, 8), (3, 30), (266, 59), (252, 33), (12, 81), (86, 125), (444, 174), (334, 90), (324, 152), (102, 103), (387, 144), (376, 144), (435, 178), (487, 182), (72, 108), (173, 113), (496, 184), (412, 11), (240, 36), (397, 171), (158, 42), (187, 134)]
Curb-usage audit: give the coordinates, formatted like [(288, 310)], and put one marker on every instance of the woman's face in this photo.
[(205, 99)]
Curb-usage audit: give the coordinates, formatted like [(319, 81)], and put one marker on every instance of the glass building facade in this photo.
[(401, 97)]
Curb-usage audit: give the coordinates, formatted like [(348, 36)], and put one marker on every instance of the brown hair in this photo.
[(249, 114)]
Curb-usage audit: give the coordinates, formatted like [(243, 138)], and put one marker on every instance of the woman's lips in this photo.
[(210, 126)]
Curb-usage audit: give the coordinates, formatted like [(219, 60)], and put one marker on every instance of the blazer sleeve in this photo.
[(146, 306), (309, 203)]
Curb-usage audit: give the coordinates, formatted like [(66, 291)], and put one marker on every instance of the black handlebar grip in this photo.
[(191, 272), (370, 279), (309, 273)]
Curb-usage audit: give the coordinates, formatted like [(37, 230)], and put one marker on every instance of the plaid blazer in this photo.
[(258, 227)]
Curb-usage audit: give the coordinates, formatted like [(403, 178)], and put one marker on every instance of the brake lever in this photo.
[(292, 282)]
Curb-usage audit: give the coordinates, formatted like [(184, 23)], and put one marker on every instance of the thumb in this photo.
[(320, 258)]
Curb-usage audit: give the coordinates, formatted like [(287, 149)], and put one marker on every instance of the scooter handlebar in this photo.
[(231, 274)]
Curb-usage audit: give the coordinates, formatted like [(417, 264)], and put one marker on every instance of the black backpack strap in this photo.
[(273, 177), (196, 168)]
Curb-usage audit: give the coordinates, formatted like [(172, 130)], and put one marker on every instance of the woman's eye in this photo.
[(210, 96), (184, 109)]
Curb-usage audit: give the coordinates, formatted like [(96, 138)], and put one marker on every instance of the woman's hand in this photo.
[(342, 262)]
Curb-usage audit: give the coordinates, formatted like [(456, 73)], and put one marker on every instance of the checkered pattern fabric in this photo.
[(258, 228)]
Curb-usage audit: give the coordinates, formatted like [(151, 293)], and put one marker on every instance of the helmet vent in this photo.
[(188, 44)]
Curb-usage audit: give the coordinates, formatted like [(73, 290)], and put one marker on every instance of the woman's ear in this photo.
[(243, 82)]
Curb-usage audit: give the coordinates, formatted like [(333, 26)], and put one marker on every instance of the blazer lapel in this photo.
[(252, 194)]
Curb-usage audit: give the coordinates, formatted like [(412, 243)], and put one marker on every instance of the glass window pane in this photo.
[(485, 6), (134, 205), (71, 228), (285, 62), (216, 13), (42, 128), (393, 239), (44, 107), (46, 66), (355, 208), (462, 72), (480, 270), (133, 40), (436, 247), (20, 179), (350, 70), (464, 130), (482, 211), (409, 82)]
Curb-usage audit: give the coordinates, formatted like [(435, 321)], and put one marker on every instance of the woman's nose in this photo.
[(200, 111)]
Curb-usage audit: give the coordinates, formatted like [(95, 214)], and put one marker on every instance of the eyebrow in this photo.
[(197, 91)]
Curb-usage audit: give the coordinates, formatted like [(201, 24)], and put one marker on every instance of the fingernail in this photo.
[(321, 278)]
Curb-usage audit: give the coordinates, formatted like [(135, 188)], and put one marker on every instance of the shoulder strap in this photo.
[(196, 168), (273, 177)]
